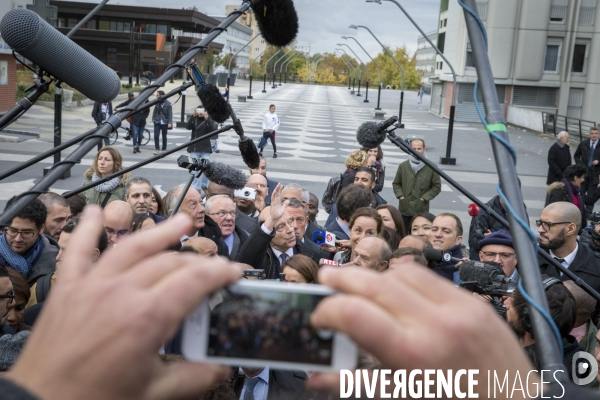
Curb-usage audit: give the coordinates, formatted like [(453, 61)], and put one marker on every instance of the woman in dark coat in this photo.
[(568, 189), (559, 158)]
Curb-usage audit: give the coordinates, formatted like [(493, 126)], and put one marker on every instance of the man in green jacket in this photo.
[(415, 185)]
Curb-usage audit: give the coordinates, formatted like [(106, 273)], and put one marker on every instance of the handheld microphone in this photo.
[(371, 134), (221, 174), (436, 255), (35, 39), (323, 237), (277, 20), (330, 263), (473, 210), (247, 146)]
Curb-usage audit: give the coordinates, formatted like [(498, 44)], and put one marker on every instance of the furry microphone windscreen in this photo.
[(483, 273), (214, 103), (249, 153), (277, 21), (369, 135), (223, 174)]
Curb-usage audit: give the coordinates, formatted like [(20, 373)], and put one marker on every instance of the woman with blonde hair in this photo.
[(108, 160), (355, 160)]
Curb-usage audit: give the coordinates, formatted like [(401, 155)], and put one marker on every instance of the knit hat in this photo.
[(501, 237), (10, 347)]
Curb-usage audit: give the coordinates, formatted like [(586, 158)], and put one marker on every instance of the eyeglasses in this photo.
[(10, 296), (490, 255), (12, 233), (282, 226), (111, 232), (222, 214), (548, 225)]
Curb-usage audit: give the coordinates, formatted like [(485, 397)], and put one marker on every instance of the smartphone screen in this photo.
[(267, 325)]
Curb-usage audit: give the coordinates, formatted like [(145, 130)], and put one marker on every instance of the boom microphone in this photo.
[(484, 277), (277, 20), (32, 37), (371, 134), (436, 255), (247, 147), (221, 174)]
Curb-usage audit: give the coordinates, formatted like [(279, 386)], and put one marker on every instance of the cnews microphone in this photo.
[(35, 39), (331, 263), (371, 134), (323, 237), (473, 210), (219, 173), (436, 255)]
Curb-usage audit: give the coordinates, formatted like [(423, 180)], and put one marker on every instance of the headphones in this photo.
[(526, 319)]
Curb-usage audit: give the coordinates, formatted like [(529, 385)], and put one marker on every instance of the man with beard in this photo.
[(557, 227)]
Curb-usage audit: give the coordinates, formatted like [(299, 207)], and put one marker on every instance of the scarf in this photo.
[(22, 263), (106, 186), (574, 193), (417, 165)]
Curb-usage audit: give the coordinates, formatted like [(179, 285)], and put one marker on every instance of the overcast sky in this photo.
[(323, 22)]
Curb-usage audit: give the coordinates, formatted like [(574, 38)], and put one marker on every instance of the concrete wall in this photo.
[(525, 117)]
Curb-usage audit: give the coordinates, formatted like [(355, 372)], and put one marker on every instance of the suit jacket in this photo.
[(283, 385), (156, 218), (212, 231), (258, 253), (97, 111), (245, 222), (311, 228), (271, 185), (559, 158), (337, 230), (582, 156), (240, 237), (586, 265)]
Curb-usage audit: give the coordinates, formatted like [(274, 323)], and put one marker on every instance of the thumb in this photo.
[(186, 380)]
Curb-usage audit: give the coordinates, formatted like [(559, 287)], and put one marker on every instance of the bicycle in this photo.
[(129, 135)]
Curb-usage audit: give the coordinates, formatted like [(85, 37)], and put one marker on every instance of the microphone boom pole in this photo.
[(114, 121)]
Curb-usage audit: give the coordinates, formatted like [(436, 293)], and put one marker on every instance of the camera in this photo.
[(245, 193)]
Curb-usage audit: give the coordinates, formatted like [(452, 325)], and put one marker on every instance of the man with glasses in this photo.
[(558, 226), (23, 247), (498, 247), (270, 246), (117, 221), (221, 209)]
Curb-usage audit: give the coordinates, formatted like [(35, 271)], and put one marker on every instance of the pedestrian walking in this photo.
[(101, 112), (162, 117), (270, 126), (137, 123), (420, 94), (588, 155), (559, 158)]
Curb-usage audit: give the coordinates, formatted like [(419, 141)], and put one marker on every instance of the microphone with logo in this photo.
[(323, 238), (439, 256)]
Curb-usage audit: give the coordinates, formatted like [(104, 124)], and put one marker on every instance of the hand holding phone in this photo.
[(247, 193)]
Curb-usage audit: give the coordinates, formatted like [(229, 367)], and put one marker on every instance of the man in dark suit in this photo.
[(350, 199), (221, 209), (559, 158), (558, 227), (100, 113), (242, 221), (271, 184), (269, 384), (274, 241), (138, 193), (297, 211), (588, 154)]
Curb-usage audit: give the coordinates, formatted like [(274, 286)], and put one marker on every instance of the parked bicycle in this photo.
[(129, 135)]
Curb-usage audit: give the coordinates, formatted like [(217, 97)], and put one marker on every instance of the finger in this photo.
[(78, 257), (140, 245), (185, 380), (324, 382), (155, 268), (186, 287), (390, 294)]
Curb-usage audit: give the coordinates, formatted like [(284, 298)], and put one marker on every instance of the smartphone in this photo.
[(266, 323), (245, 193), (199, 110)]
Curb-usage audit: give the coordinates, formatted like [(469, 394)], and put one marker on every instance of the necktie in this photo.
[(592, 147), (249, 391), (283, 257)]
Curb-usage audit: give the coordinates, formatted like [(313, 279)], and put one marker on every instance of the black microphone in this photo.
[(32, 37), (371, 134), (436, 255), (221, 174), (247, 146), (484, 277), (277, 20)]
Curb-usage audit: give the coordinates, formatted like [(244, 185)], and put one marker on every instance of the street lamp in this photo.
[(286, 63), (350, 68), (353, 70), (281, 67), (360, 75), (400, 124), (231, 60), (267, 63), (263, 52), (444, 160), (377, 65)]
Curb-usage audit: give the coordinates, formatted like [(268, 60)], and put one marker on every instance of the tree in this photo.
[(225, 61)]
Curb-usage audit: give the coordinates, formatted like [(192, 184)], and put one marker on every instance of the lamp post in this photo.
[(274, 70), (286, 63), (353, 70), (377, 65), (267, 63), (263, 52), (289, 56), (349, 68), (231, 60), (400, 124), (361, 62), (316, 65), (443, 160)]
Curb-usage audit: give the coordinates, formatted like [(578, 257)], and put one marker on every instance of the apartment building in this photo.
[(426, 56)]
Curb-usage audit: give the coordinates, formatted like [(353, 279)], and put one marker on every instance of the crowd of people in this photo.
[(275, 233)]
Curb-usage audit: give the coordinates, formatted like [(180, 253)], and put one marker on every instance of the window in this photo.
[(470, 63), (533, 96), (482, 6), (552, 58), (558, 11), (441, 41), (575, 103), (580, 55), (104, 25), (72, 22), (161, 29), (3, 72), (111, 59), (587, 10)]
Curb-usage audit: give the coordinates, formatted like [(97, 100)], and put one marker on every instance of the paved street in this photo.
[(318, 128)]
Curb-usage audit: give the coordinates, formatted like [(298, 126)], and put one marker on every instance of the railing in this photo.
[(554, 123)]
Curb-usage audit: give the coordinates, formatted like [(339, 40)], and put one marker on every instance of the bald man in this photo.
[(416, 242), (558, 227), (203, 246), (117, 217), (373, 253), (252, 208)]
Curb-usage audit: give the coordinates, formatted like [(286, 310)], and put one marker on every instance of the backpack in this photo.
[(331, 192)]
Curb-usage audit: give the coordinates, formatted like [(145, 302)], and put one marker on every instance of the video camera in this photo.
[(488, 279)]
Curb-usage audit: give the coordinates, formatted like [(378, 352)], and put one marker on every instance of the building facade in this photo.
[(233, 40), (425, 56), (545, 58)]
